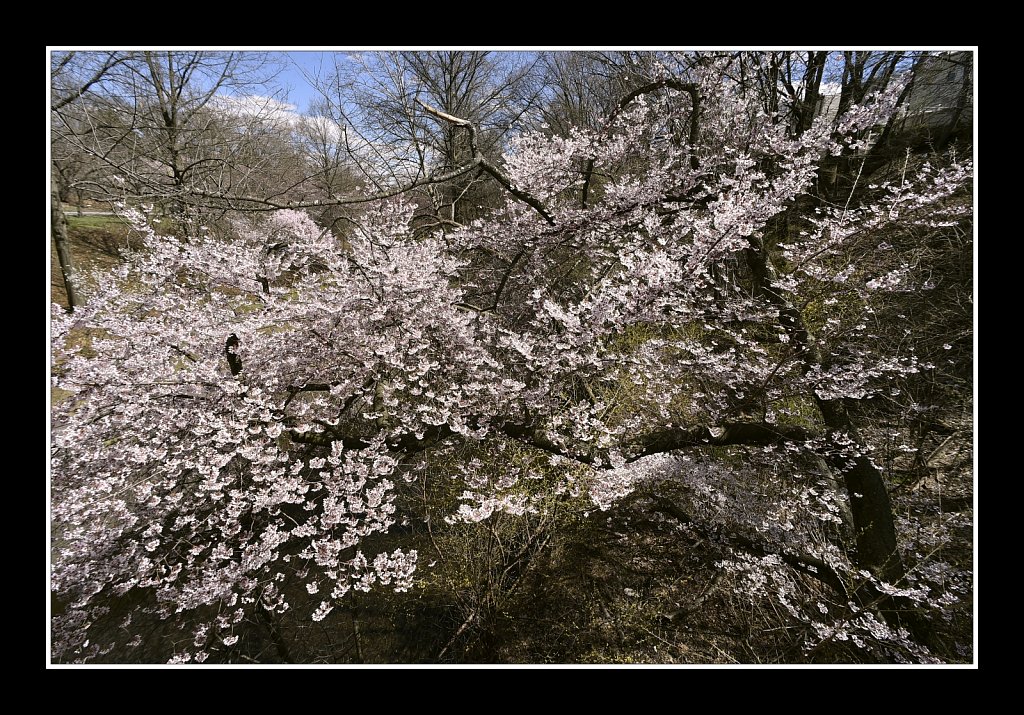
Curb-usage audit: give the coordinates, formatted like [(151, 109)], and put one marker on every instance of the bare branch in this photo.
[(487, 166), (519, 193), (253, 203), (112, 61), (447, 117)]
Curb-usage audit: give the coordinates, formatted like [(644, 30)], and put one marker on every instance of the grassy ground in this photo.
[(96, 242)]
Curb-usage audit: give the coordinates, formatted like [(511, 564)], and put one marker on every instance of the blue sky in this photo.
[(299, 90), (297, 64)]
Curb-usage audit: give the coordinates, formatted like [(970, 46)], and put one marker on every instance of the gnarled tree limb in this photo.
[(487, 166), (730, 433), (657, 442)]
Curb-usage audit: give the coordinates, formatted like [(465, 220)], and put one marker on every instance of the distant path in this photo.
[(89, 213)]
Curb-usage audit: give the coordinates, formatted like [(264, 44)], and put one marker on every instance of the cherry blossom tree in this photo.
[(657, 304)]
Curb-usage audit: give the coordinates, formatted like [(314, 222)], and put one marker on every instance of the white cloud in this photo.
[(282, 114), (254, 106)]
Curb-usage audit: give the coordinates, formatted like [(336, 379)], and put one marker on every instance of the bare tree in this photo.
[(72, 76), (168, 123), (330, 169), (377, 98), (580, 89)]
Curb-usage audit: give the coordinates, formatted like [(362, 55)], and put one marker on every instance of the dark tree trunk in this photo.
[(815, 71), (872, 511), (870, 506), (869, 499), (59, 233)]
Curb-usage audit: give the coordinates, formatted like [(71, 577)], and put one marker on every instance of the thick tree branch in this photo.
[(519, 193), (870, 504), (731, 433), (487, 166), (464, 123), (871, 508), (667, 440)]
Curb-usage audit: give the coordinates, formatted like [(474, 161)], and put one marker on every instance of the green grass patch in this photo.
[(58, 395), (88, 221)]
